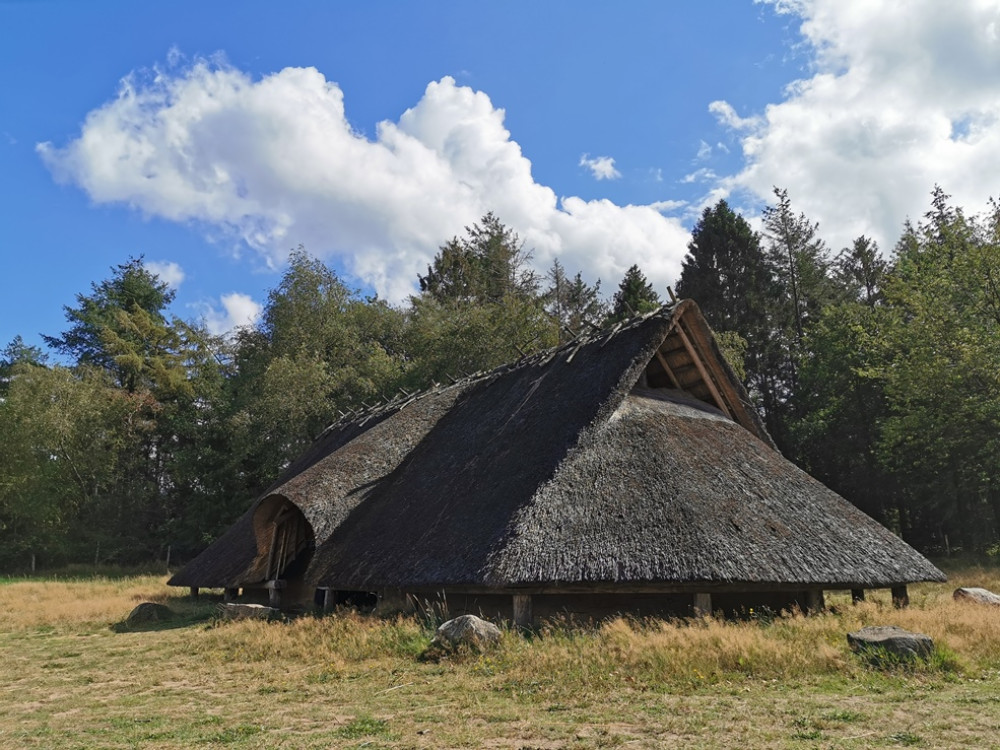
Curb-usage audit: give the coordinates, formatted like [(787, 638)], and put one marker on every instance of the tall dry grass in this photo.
[(70, 681), (650, 651), (34, 603)]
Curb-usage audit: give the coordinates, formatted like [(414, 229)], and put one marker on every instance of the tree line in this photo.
[(880, 376)]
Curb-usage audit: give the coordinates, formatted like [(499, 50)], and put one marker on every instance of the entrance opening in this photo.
[(285, 544)]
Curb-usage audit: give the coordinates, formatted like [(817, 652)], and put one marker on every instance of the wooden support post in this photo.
[(270, 552), (229, 594), (857, 596), (814, 601), (522, 610), (328, 597), (32, 562), (274, 592), (702, 605), (392, 601), (194, 592), (900, 598)]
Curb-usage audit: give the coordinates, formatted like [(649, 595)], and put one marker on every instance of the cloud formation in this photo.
[(900, 98), (237, 310), (168, 272), (276, 163), (601, 167)]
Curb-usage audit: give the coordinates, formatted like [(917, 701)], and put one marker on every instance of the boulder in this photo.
[(467, 631), (979, 596), (149, 612), (890, 640), (233, 611)]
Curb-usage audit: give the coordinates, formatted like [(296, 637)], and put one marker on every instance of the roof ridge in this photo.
[(361, 416)]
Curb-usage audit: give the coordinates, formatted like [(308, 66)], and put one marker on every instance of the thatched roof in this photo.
[(631, 458)]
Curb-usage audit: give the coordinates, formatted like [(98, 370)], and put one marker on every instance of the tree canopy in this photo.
[(879, 375)]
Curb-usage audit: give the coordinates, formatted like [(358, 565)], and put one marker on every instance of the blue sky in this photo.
[(212, 138)]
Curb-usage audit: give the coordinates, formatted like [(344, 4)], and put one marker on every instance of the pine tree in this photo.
[(635, 296), (573, 303)]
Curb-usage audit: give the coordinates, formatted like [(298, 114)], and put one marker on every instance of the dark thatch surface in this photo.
[(568, 470), (337, 472)]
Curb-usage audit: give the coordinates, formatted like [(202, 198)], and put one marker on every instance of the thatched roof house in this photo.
[(624, 471)]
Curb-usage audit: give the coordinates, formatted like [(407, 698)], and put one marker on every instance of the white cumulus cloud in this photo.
[(276, 163), (169, 272), (237, 310), (601, 167), (900, 97)]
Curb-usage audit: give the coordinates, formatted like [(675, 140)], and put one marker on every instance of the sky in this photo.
[(212, 139)]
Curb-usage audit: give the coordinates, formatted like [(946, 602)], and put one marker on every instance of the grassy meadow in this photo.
[(69, 680)]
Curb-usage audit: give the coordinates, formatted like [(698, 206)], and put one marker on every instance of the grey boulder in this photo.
[(890, 640), (467, 631), (979, 596), (149, 612), (233, 611)]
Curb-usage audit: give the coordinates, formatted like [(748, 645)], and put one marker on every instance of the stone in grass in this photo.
[(232, 611), (978, 596), (467, 631), (149, 613), (892, 641)]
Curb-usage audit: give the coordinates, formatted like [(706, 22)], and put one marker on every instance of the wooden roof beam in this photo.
[(720, 402), (668, 370)]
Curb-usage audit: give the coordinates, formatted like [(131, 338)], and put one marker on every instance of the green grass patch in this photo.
[(363, 726)]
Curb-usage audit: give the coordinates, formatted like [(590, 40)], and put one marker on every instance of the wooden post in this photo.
[(702, 605), (900, 598), (522, 610), (32, 562), (328, 597), (814, 601), (168, 558), (229, 594), (194, 592), (392, 601), (857, 596), (270, 552)]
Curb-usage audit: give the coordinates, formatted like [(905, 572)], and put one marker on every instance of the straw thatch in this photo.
[(627, 461)]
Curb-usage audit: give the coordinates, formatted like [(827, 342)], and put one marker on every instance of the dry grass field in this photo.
[(71, 681)]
